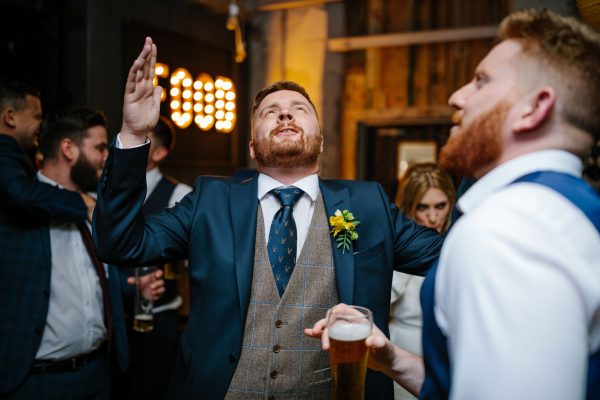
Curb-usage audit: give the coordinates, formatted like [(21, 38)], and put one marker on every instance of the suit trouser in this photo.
[(152, 357), (90, 382)]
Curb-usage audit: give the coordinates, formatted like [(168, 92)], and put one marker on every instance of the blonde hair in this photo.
[(416, 181), (567, 55)]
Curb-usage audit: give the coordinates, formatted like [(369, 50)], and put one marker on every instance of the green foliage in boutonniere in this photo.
[(344, 226)]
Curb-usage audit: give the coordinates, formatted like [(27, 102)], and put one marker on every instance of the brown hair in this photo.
[(276, 87), (416, 181), (164, 133), (566, 52)]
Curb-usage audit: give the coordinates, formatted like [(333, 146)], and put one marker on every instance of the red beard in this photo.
[(477, 146), (294, 152)]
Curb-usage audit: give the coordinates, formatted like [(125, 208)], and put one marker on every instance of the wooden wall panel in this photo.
[(421, 78)]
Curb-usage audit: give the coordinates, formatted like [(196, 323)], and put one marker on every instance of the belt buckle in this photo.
[(74, 363)]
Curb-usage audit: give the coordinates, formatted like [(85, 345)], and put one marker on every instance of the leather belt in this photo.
[(66, 365)]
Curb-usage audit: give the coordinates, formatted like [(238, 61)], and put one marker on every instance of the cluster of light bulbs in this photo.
[(208, 103)]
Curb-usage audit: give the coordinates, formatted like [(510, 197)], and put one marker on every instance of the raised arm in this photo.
[(18, 189), (122, 235)]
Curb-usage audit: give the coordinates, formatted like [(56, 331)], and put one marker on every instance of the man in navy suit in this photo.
[(244, 337), (25, 203), (68, 359)]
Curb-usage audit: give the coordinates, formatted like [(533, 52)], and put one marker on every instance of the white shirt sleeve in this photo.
[(119, 144), (510, 302)]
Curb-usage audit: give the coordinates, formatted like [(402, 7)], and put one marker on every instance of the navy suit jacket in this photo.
[(214, 227), (26, 205)]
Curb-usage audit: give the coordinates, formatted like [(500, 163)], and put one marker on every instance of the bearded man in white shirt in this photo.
[(512, 309)]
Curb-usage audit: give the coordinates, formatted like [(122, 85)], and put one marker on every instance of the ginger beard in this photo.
[(476, 146), (287, 152)]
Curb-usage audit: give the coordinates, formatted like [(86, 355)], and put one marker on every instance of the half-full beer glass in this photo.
[(143, 317), (348, 327)]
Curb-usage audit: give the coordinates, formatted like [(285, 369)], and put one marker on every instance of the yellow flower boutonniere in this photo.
[(344, 226)]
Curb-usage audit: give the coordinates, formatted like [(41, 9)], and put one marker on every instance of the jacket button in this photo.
[(232, 357), (37, 331), (278, 323), (276, 348), (273, 374), (46, 293)]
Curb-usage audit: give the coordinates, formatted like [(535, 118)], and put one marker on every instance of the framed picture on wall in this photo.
[(413, 152)]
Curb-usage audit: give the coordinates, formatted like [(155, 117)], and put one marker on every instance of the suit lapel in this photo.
[(243, 216), (336, 197)]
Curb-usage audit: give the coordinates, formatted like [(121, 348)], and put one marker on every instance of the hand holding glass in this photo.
[(348, 328)]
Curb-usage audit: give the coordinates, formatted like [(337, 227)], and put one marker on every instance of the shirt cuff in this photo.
[(119, 145)]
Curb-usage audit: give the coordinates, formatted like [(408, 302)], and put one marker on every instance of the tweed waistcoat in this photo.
[(277, 361)]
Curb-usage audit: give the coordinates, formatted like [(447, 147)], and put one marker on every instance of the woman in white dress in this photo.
[(425, 194)]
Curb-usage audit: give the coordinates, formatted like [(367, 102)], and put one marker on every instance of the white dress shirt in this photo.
[(303, 210), (75, 320), (154, 176), (518, 287)]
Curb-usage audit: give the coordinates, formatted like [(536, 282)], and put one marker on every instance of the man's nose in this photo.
[(459, 98), (285, 116)]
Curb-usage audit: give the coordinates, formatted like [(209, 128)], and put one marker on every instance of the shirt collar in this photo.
[(309, 185), (43, 178), (499, 177)]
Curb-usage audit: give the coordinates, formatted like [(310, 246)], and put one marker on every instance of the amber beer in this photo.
[(348, 357), (143, 323), (172, 270)]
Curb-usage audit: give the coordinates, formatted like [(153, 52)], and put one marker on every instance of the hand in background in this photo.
[(152, 283)]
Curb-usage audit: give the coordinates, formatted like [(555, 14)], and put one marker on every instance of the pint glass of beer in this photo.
[(143, 318), (348, 327)]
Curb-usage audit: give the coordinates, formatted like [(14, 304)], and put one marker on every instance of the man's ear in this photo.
[(69, 150), (251, 149), (159, 154), (8, 118), (535, 111)]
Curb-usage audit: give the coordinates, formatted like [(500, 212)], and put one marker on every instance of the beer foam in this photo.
[(348, 332), (144, 317)]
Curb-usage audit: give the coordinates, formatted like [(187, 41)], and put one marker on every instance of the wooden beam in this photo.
[(409, 38), (286, 5)]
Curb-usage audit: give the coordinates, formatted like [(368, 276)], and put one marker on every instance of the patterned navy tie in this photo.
[(283, 237)]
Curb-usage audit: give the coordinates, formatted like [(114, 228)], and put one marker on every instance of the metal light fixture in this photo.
[(233, 24)]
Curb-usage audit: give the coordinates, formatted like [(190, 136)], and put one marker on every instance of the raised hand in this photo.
[(141, 103)]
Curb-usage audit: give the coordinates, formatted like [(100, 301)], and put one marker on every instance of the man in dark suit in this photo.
[(24, 204), (74, 317), (244, 289)]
